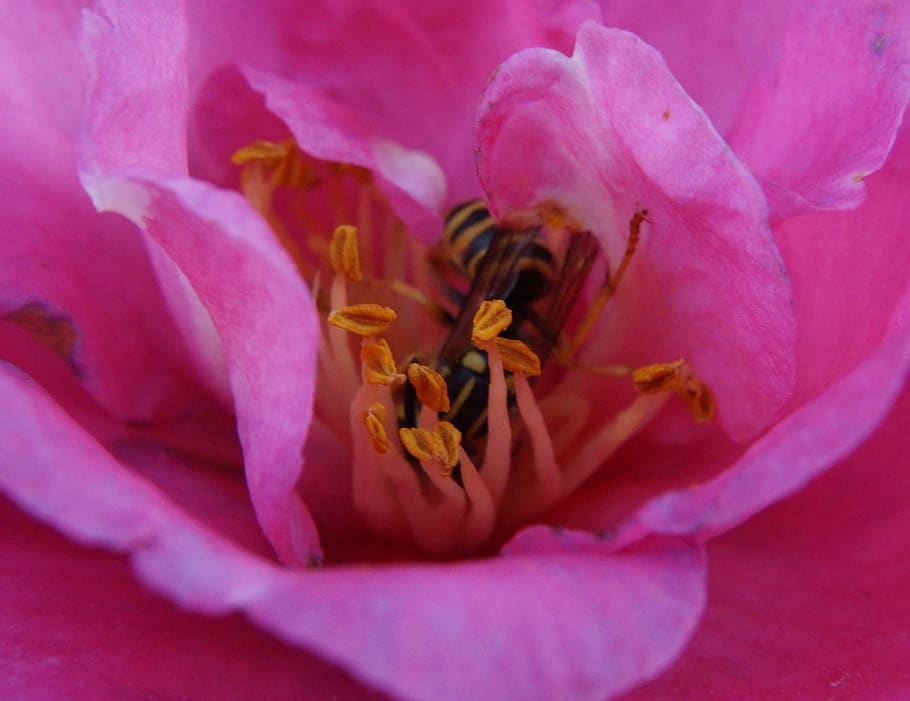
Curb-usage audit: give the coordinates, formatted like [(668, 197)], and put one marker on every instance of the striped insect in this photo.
[(520, 267)]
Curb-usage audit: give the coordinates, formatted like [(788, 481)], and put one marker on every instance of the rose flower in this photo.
[(428, 351)]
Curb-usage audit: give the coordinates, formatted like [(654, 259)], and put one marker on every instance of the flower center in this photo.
[(452, 445)]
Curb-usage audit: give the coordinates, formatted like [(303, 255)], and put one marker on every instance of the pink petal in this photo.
[(81, 271), (849, 272), (257, 302), (265, 318), (547, 620), (851, 300), (555, 616), (824, 113), (609, 131), (137, 86), (323, 128), (76, 619), (410, 70), (808, 600), (803, 445), (802, 91), (713, 49)]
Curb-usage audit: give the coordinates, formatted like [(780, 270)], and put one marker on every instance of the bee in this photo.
[(519, 266)]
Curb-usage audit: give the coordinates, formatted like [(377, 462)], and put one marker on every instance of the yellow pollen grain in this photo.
[(378, 363), (363, 319), (422, 443), (345, 254), (430, 386), (492, 317), (373, 419), (517, 356), (451, 441)]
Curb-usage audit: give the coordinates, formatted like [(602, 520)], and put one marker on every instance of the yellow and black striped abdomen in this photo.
[(527, 263)]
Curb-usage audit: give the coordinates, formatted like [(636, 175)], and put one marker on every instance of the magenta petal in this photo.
[(76, 621), (824, 114), (410, 69), (137, 85), (545, 621), (609, 131), (554, 617), (413, 182), (809, 599), (265, 318), (801, 446)]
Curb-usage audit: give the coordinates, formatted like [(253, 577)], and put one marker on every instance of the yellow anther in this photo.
[(517, 357), (378, 363), (422, 443), (283, 161), (363, 319), (492, 317), (440, 443), (344, 253), (451, 441), (373, 420), (430, 385), (677, 377)]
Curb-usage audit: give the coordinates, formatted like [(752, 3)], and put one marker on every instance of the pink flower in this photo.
[(165, 327)]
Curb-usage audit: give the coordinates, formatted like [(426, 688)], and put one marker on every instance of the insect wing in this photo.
[(579, 257), (496, 275)]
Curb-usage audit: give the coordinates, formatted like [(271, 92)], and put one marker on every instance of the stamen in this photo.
[(430, 386), (548, 473), (344, 253), (281, 160), (612, 282), (491, 318), (497, 463), (373, 419), (378, 363), (363, 319), (677, 377)]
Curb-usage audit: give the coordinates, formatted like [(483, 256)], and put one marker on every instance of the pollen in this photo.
[(373, 420), (517, 356), (430, 386), (491, 319), (345, 254), (378, 363), (363, 319)]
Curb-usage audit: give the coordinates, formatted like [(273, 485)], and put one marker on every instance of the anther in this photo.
[(517, 356), (373, 420), (421, 443), (492, 317), (676, 377), (430, 386), (281, 160), (344, 253), (378, 363), (451, 442), (440, 443), (363, 319)]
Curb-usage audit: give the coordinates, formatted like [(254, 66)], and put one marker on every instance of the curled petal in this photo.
[(608, 132)]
